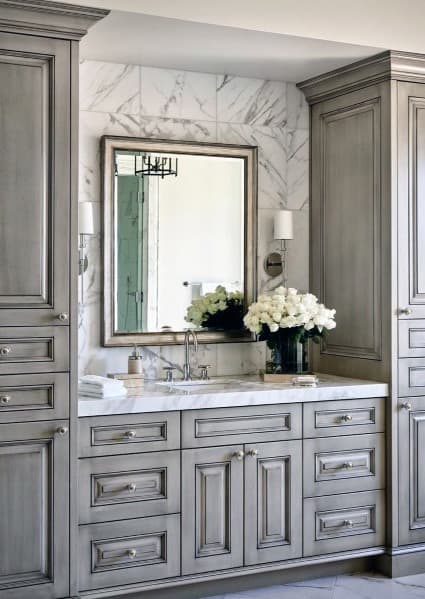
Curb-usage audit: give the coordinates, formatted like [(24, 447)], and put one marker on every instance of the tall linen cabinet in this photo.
[(38, 307), (368, 259)]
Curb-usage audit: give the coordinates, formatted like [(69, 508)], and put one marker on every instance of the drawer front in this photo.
[(131, 433), (344, 464), (344, 522), (411, 377), (213, 427), (129, 551), (34, 397), (411, 339), (134, 486), (33, 349), (346, 417)]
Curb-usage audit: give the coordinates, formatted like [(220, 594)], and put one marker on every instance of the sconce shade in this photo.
[(85, 218), (283, 225)]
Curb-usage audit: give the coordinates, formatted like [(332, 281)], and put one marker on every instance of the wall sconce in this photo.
[(85, 229), (275, 263)]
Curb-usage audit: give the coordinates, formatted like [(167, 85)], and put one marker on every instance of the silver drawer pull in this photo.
[(5, 399), (348, 465), (130, 434), (131, 487), (238, 455), (252, 452), (131, 553), (406, 405), (348, 523), (346, 417), (62, 430), (5, 351), (406, 311), (63, 316)]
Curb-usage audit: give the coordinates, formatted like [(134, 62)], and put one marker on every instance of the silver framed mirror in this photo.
[(179, 220)]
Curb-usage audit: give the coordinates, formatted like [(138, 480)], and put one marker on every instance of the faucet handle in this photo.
[(169, 377), (204, 371)]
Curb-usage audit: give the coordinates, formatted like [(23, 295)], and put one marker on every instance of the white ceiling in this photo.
[(172, 43)]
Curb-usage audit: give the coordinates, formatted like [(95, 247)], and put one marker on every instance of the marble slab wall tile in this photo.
[(178, 94), (109, 87), (135, 101), (251, 101)]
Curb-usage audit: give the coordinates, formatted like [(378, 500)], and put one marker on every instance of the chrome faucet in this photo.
[(187, 370)]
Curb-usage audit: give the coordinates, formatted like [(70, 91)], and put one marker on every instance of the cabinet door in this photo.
[(212, 509), (273, 502), (34, 523), (412, 471), (35, 183), (411, 199)]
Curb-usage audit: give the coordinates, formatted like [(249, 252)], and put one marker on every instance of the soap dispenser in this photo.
[(135, 362)]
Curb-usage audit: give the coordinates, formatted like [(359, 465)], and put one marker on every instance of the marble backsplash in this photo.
[(130, 100)]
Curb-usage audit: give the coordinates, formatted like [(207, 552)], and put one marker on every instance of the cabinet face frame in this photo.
[(53, 57), (51, 531)]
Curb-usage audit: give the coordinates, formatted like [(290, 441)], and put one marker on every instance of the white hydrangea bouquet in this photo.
[(219, 309), (286, 320)]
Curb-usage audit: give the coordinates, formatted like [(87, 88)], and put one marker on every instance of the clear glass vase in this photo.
[(288, 354)]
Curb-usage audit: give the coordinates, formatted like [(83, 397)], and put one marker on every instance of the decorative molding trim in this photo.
[(403, 66), (43, 17)]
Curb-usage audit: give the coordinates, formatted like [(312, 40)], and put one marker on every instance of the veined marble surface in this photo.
[(230, 392)]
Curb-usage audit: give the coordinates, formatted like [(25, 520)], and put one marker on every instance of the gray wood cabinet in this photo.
[(34, 510), (412, 470), (273, 507)]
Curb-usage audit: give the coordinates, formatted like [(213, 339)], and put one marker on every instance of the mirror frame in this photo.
[(109, 144)]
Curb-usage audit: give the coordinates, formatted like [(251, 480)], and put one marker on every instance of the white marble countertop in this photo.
[(230, 392)]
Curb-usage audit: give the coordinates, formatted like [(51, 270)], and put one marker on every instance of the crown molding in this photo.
[(47, 18)]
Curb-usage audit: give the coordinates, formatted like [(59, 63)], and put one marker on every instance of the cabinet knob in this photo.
[(406, 405), (348, 465), (238, 455), (252, 452), (131, 487), (62, 430), (406, 311), (348, 523), (346, 417), (5, 351), (5, 399), (130, 434), (131, 553), (63, 316)]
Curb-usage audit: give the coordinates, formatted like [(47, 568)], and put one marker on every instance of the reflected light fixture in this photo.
[(275, 263), (156, 166)]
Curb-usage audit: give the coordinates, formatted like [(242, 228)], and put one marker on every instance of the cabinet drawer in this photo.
[(212, 427), (33, 397), (411, 377), (131, 433), (411, 338), (345, 417), (344, 464), (133, 486), (129, 551), (33, 349), (344, 522)]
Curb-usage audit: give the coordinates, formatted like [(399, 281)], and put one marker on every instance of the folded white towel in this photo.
[(100, 382), (88, 391)]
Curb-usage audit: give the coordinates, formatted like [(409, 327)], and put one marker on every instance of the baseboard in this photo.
[(240, 580), (402, 561)]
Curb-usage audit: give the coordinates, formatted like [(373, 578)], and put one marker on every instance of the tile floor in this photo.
[(355, 586)]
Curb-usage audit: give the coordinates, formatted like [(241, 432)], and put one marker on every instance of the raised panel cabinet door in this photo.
[(212, 509), (34, 511), (411, 200), (35, 180), (273, 502), (412, 470)]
